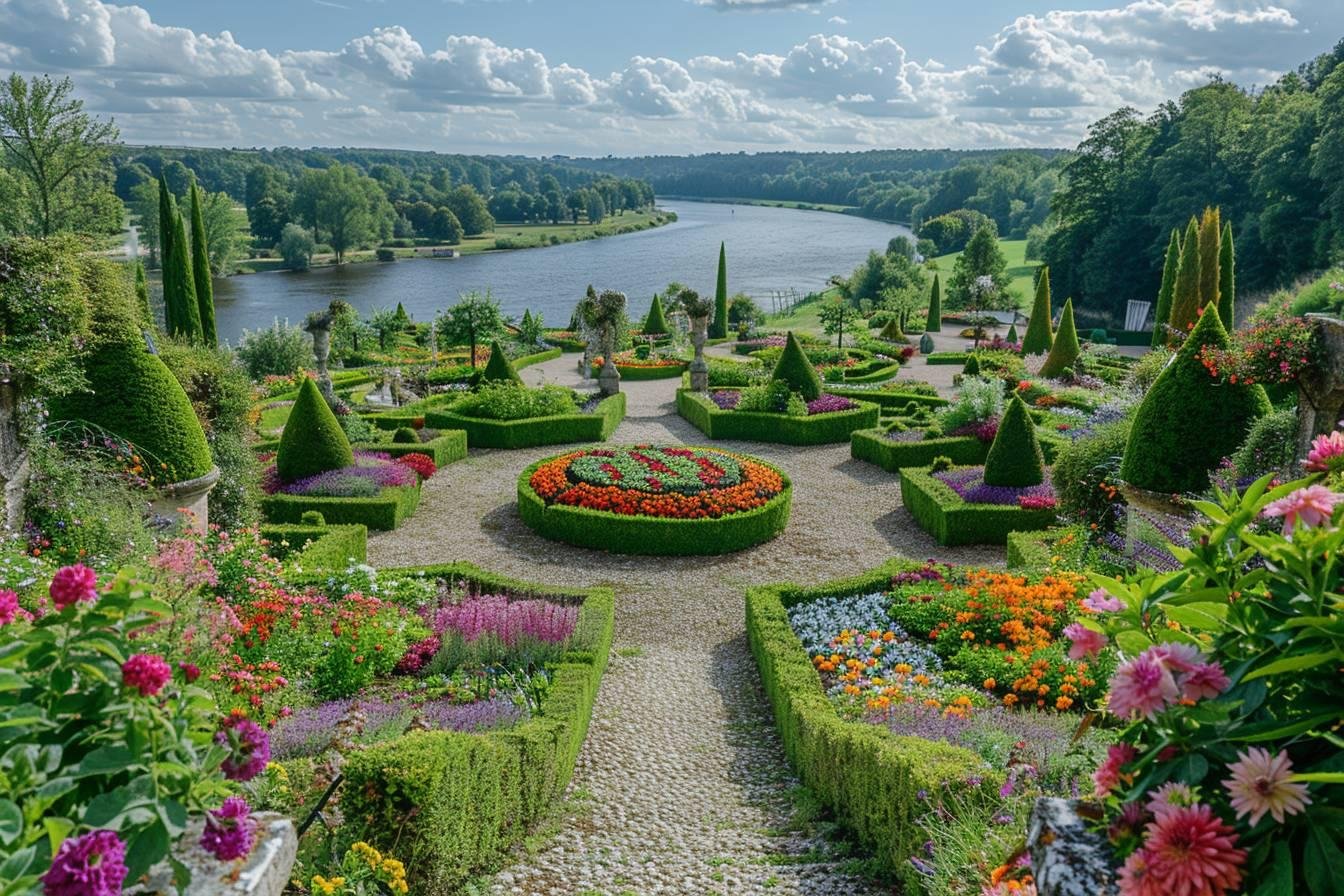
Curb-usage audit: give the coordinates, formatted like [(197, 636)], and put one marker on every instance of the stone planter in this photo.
[(1150, 513), (189, 499), (265, 872), (1067, 859)]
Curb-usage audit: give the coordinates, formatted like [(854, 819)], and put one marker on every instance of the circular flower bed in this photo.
[(655, 367), (655, 500)]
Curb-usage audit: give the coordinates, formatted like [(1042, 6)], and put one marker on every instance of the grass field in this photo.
[(1021, 270)]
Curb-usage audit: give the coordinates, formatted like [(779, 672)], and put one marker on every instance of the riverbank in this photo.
[(505, 238), (852, 210)]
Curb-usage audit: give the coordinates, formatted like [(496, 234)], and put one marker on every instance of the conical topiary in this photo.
[(933, 323), (1185, 302), (402, 317), (313, 441), (1039, 336), (655, 323), (1189, 421), (718, 328), (892, 331), (1227, 279), (1065, 351), (1162, 313), (1015, 458), (200, 271), (796, 370), (1012, 333), (972, 366), (499, 369)]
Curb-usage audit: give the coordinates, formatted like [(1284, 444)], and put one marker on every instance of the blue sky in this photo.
[(636, 76)]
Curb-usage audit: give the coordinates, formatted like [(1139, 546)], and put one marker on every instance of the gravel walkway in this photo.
[(682, 786)]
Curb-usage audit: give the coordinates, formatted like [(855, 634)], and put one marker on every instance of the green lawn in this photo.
[(1021, 270), (804, 318)]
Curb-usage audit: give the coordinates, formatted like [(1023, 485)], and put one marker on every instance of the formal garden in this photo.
[(333, 611)]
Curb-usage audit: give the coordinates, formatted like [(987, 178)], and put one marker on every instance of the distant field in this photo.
[(1019, 269), (772, 203)]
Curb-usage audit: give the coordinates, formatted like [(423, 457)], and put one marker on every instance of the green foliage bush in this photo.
[(978, 399), (1321, 295), (568, 426), (1270, 447), (313, 518), (406, 435), (498, 369), (1081, 467), (796, 370), (1189, 421), (313, 546), (281, 350), (1015, 457), (732, 373), (514, 401), (313, 441), (780, 428)]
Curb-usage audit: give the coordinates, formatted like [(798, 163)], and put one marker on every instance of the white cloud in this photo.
[(838, 20)]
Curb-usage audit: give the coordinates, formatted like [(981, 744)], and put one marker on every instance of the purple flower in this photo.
[(229, 831), (511, 621), (371, 472), (829, 404), (93, 864), (249, 748), (726, 400), (969, 484), (308, 731)]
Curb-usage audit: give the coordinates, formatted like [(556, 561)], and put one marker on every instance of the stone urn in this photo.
[(188, 499), (699, 367), (1320, 405)]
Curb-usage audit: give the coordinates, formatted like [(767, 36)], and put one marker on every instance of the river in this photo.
[(769, 250)]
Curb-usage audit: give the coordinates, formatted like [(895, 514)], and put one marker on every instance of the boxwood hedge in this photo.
[(873, 446), (753, 426), (958, 358), (445, 448), (638, 373), (557, 430), (451, 805), (549, 354), (623, 534), (870, 778), (383, 512), (317, 546), (889, 400), (951, 521)]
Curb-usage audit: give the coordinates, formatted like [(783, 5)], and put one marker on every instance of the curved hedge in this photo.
[(889, 399), (452, 804), (753, 426), (870, 778), (873, 446), (951, 521), (445, 448), (557, 430), (317, 547), (625, 534), (384, 511), (874, 371), (537, 357), (638, 373)]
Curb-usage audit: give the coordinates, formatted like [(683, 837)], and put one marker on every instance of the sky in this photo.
[(636, 77)]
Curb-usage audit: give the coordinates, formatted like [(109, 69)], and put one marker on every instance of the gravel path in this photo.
[(682, 786)]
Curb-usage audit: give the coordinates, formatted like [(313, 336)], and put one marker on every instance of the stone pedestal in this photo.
[(265, 872), (1067, 859), (1320, 405), (189, 499), (609, 378), (699, 367)]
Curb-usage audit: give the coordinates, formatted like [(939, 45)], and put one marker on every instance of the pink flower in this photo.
[(1326, 451), (248, 745), (1170, 795), (1262, 783), (190, 671), (1109, 775), (1101, 601), (1187, 851), (92, 864), (1205, 681), (1085, 641), (1177, 657), (72, 584), (146, 673), (9, 606), (229, 830), (1310, 506), (1142, 686)]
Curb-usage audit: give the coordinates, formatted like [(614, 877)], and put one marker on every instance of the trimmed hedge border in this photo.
[(626, 534), (317, 547), (1030, 551), (751, 426), (871, 445), (557, 430), (340, 380), (383, 512), (951, 521), (870, 778), (451, 805), (877, 374), (536, 358), (947, 358), (639, 374), (890, 399), (446, 448)]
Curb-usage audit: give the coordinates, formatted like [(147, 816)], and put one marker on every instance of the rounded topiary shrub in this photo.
[(1189, 421), (1015, 458), (796, 370), (499, 369), (313, 441), (133, 395), (406, 435), (313, 518), (892, 332)]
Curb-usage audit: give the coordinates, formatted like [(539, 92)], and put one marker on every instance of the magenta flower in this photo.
[(1310, 506), (1187, 850), (1142, 686), (1109, 775), (249, 748), (72, 584), (92, 864), (1261, 783), (1170, 795), (190, 671), (1101, 601), (1085, 641), (9, 606), (1204, 682), (229, 830), (146, 673), (1327, 451)]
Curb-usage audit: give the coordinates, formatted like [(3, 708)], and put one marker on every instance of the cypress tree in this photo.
[(1015, 459), (934, 321), (1039, 337), (142, 294), (166, 207), (1185, 299), (655, 324), (402, 317), (1162, 313), (718, 328), (1065, 350), (1210, 236), (1227, 279), (200, 269), (796, 370), (179, 290)]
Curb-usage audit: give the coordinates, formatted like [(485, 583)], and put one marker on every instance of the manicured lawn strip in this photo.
[(625, 534), (871, 779), (889, 400), (451, 805), (317, 547), (951, 521), (557, 430), (383, 512), (822, 429)]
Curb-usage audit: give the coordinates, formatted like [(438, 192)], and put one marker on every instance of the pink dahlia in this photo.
[(249, 748), (9, 606), (72, 584), (1204, 682), (229, 830), (146, 673), (1176, 657), (1170, 795), (1263, 783), (1327, 451), (1109, 775), (1101, 601), (1085, 641), (1310, 506), (1187, 851), (92, 864), (1142, 686)]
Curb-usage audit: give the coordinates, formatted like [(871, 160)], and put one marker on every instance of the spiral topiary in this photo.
[(794, 369), (313, 441)]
